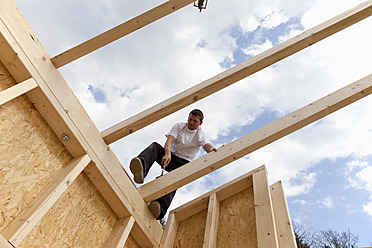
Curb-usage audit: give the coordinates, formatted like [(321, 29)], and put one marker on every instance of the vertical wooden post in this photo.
[(211, 226), (120, 233), (283, 223), (170, 232), (266, 233)]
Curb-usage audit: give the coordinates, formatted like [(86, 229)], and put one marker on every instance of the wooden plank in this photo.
[(17, 90), (119, 31), (170, 232), (283, 223), (4, 243), (223, 192), (21, 226), (266, 233), (64, 113), (237, 72), (120, 233), (211, 227), (257, 139)]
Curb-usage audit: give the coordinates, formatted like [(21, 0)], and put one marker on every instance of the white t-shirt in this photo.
[(188, 142)]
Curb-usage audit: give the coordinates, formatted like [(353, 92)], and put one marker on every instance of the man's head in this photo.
[(195, 119)]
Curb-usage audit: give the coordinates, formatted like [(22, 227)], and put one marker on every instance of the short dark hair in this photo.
[(197, 112)]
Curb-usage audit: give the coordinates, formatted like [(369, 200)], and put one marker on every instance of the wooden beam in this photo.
[(22, 225), (63, 112), (223, 192), (237, 73), (256, 139), (17, 90), (283, 223), (266, 233), (170, 232), (4, 243), (119, 31), (120, 233), (211, 226)]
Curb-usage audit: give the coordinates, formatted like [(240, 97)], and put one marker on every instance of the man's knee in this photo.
[(155, 145)]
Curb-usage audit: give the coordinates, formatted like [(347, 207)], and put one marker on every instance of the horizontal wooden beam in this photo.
[(120, 233), (256, 139), (237, 73), (22, 225), (17, 90), (119, 31), (283, 223), (265, 222), (61, 109)]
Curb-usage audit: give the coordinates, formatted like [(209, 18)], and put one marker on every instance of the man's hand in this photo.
[(209, 148), (167, 148), (165, 160)]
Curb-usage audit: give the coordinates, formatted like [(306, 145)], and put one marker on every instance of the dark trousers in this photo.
[(155, 152)]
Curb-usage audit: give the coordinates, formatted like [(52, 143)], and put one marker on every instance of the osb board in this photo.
[(131, 243), (80, 218), (190, 231), (30, 153), (237, 221)]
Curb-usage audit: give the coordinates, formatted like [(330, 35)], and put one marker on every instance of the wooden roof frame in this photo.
[(38, 77)]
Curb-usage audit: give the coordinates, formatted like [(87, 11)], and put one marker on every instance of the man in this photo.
[(182, 145)]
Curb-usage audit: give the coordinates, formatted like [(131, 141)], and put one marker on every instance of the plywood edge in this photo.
[(283, 223)]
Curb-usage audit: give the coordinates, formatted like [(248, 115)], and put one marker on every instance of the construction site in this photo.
[(63, 186)]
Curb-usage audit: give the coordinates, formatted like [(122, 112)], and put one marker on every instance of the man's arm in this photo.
[(167, 147), (209, 148)]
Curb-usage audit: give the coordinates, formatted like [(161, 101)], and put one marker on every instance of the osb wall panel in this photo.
[(131, 243), (190, 231), (30, 153), (237, 221), (80, 218)]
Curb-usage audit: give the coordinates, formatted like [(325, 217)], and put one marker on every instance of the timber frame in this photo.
[(38, 78)]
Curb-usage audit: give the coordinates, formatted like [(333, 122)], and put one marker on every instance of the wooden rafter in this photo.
[(22, 225), (238, 72), (257, 139), (24, 58), (119, 31)]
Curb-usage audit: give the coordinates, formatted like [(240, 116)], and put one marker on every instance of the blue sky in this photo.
[(326, 167)]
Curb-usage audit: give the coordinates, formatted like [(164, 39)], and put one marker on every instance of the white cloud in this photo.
[(257, 48)]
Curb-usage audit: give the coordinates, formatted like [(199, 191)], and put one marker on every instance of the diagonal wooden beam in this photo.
[(22, 225), (120, 233), (119, 31), (17, 90), (257, 139), (238, 72), (4, 243)]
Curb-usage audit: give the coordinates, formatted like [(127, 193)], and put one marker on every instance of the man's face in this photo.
[(193, 122)]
